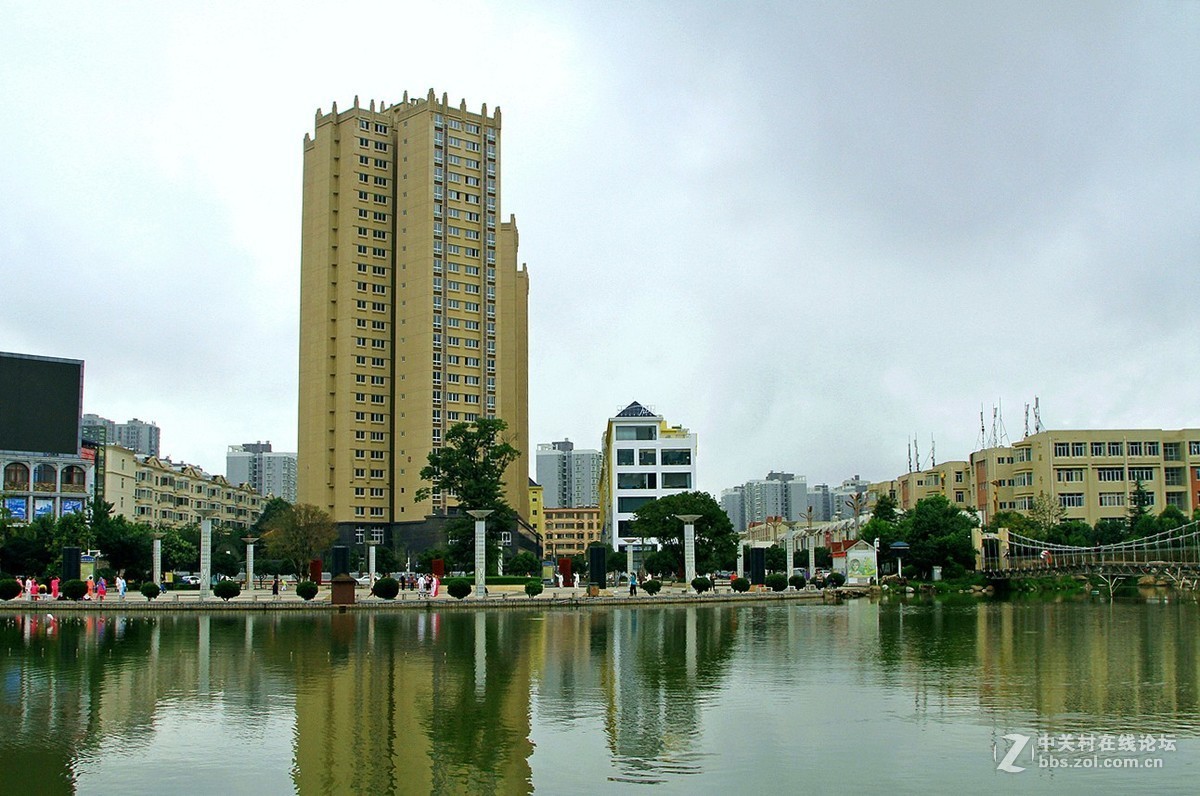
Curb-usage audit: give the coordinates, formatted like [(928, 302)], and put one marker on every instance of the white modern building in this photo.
[(644, 459), (569, 477), (267, 472)]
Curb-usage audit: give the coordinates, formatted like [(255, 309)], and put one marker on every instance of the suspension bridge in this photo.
[(1172, 555)]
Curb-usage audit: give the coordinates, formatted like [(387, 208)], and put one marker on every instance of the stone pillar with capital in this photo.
[(480, 516), (206, 516), (249, 540), (689, 546), (158, 559)]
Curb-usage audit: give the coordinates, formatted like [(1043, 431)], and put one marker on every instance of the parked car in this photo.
[(363, 580), (190, 580)]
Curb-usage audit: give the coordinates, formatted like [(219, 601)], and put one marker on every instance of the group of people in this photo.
[(96, 589)]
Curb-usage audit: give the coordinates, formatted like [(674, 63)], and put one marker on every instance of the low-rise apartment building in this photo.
[(569, 531), (157, 491)]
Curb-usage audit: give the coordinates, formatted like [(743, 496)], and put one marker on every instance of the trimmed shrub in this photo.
[(835, 579), (776, 581), (701, 584), (533, 588), (9, 589), (458, 588), (306, 589), (150, 590), (652, 587), (227, 589), (740, 585), (73, 589), (386, 588), (797, 582)]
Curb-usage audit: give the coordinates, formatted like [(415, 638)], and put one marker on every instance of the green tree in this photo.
[(1045, 515), (939, 534), (470, 467), (1110, 530), (1014, 521), (660, 564), (271, 508), (776, 558), (1170, 518), (1139, 511), (716, 542), (885, 509), (523, 563), (300, 534)]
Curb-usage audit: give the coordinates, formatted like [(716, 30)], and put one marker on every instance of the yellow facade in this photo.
[(414, 312), (1090, 473), (569, 531), (157, 491), (537, 518), (951, 480)]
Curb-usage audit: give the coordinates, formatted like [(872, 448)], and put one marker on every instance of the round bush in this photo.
[(150, 590), (73, 589), (306, 589), (652, 587), (740, 585), (386, 588), (458, 588), (227, 589), (701, 584), (9, 589), (776, 581), (835, 579), (533, 587), (797, 582)]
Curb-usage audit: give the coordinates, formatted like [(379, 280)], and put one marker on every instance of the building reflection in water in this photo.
[(447, 702)]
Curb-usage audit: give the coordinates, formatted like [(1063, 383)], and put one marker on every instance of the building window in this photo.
[(1112, 499), (636, 432), (677, 480), (624, 456), (1071, 500)]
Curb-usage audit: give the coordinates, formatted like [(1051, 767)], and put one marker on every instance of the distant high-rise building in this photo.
[(413, 308), (267, 472), (733, 503), (779, 495), (136, 435), (570, 477)]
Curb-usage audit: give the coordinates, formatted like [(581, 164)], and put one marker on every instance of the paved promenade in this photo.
[(498, 597)]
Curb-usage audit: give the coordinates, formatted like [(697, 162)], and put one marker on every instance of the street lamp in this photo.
[(480, 516), (899, 549), (689, 545)]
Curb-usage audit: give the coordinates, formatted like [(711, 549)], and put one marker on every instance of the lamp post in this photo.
[(206, 516), (689, 545), (480, 516), (249, 540), (789, 546), (812, 567)]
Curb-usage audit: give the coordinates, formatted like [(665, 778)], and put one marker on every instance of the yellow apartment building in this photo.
[(1091, 473), (154, 490), (413, 307), (951, 480), (569, 531), (537, 519)]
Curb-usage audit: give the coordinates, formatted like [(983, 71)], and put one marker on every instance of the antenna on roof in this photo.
[(932, 451), (1037, 416)]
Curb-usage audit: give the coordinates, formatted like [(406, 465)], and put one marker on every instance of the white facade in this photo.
[(645, 459)]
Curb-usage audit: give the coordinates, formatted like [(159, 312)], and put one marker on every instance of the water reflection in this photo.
[(501, 702)]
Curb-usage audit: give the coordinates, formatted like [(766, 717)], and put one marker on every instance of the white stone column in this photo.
[(480, 516), (158, 559), (812, 554), (628, 558), (789, 546), (371, 563), (205, 553), (741, 565), (689, 547), (249, 540)]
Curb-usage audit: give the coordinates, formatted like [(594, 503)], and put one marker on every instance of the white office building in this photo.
[(644, 459)]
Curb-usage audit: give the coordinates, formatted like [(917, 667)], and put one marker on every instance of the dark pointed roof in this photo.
[(635, 409)]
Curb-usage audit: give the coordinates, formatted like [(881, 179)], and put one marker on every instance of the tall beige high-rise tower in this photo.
[(413, 310)]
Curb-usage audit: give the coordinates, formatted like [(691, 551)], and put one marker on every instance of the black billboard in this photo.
[(41, 403)]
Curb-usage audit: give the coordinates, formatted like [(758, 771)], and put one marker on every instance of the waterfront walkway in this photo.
[(498, 597)]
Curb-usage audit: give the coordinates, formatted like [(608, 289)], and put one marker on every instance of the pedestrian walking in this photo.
[(101, 588), (54, 588), (121, 587), (433, 590), (275, 586), (91, 588), (31, 588), (633, 584)]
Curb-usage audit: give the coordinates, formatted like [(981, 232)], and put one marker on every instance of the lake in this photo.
[(1011, 696)]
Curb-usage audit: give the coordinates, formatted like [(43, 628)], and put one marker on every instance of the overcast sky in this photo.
[(807, 231)]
